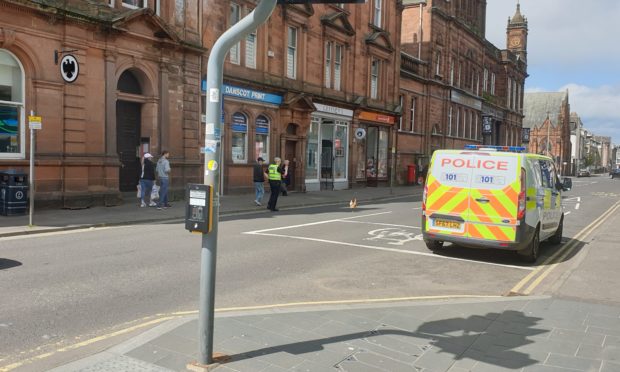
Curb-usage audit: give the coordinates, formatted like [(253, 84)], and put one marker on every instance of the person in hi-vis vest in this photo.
[(275, 179)]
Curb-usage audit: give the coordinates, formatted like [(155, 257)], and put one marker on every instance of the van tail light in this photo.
[(424, 198), (522, 204)]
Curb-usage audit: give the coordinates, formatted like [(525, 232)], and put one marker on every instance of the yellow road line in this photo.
[(178, 314), (562, 253), (568, 250)]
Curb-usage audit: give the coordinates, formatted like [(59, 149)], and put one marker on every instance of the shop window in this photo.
[(239, 128), (11, 107), (312, 153), (261, 138), (340, 150)]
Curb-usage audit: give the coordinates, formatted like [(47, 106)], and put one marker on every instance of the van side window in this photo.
[(545, 173)]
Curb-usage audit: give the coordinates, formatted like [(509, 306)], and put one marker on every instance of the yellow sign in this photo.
[(34, 122)]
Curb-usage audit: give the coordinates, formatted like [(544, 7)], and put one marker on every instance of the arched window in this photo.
[(261, 138), (129, 83), (12, 136), (239, 140)]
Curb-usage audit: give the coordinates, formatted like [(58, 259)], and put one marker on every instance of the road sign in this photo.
[(34, 122), (320, 1)]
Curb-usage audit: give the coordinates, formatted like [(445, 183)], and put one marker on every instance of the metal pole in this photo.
[(213, 132), (31, 177)]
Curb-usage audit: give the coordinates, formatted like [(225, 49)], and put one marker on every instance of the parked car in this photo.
[(615, 173), (583, 173)]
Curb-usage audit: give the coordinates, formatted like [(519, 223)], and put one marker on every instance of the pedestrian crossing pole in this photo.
[(212, 170)]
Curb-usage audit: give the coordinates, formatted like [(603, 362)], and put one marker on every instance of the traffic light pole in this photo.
[(212, 155)]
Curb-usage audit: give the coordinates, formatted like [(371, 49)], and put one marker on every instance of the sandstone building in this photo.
[(456, 87), (136, 90), (547, 116)]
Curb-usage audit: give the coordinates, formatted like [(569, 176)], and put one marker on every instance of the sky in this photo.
[(572, 45)]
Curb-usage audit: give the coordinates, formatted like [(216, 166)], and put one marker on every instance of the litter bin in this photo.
[(410, 174), (13, 193)]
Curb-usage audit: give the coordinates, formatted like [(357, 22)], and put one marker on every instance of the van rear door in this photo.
[(494, 204), (447, 202)]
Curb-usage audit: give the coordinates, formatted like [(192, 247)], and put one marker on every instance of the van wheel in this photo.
[(530, 254), (557, 237), (434, 245)]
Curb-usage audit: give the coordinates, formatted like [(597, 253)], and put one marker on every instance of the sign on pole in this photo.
[(34, 122)]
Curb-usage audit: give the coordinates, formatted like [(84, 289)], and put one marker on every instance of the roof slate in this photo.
[(537, 106)]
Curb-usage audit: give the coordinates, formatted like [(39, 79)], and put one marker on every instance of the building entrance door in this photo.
[(128, 117), (290, 149), (327, 155)]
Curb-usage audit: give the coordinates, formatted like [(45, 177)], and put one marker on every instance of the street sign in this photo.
[(34, 122), (281, 2)]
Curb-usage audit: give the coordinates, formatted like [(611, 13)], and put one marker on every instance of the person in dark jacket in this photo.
[(286, 177), (147, 179), (259, 181)]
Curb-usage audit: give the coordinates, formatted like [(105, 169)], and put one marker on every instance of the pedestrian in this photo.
[(286, 177), (147, 179), (275, 179), (163, 174), (259, 181)]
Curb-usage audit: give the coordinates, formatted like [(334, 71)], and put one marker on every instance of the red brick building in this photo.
[(453, 81), (137, 90), (303, 85), (547, 116)]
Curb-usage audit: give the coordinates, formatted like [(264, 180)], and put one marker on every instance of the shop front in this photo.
[(249, 118), (327, 154), (371, 158)]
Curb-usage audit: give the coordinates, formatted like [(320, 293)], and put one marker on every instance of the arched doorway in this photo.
[(291, 138), (128, 123)]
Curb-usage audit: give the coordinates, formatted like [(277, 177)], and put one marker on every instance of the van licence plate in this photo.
[(447, 224)]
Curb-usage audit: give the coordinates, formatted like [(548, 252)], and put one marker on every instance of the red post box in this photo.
[(410, 174)]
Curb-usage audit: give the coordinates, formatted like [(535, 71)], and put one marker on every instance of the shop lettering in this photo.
[(245, 93), (475, 164)]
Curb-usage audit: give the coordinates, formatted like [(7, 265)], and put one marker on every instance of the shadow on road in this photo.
[(490, 338), (5, 263)]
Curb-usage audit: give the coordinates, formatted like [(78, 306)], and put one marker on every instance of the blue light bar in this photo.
[(496, 148)]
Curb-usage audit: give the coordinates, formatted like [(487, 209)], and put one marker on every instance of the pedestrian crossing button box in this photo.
[(198, 208)]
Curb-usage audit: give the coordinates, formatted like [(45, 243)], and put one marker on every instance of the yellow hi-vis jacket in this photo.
[(274, 174)]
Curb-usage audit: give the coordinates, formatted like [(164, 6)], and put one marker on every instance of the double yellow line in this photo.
[(538, 275)]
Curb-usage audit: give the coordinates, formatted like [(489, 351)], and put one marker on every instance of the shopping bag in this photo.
[(155, 192), (139, 195)]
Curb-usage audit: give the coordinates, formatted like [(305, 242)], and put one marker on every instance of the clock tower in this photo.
[(516, 34)]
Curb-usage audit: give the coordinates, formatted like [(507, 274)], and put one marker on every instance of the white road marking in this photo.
[(432, 255), (566, 213), (381, 224), (577, 206), (316, 223), (416, 208)]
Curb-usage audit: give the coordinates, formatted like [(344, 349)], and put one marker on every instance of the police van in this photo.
[(492, 197)]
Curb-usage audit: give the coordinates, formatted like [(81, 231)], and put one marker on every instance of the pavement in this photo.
[(533, 333)]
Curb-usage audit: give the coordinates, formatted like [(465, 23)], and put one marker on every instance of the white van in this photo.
[(492, 197)]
